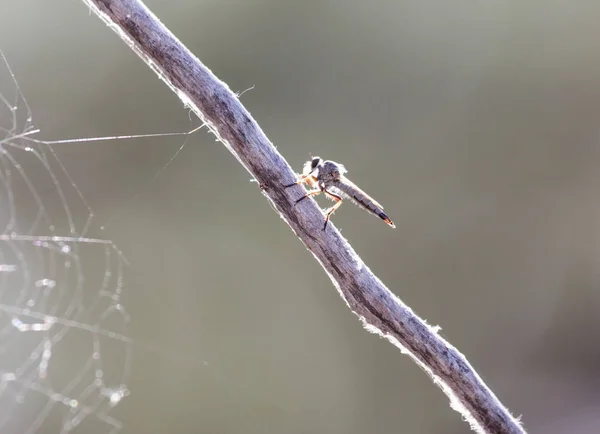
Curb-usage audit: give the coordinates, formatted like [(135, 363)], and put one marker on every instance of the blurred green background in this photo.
[(476, 124)]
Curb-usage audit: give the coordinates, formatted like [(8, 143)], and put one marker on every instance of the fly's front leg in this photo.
[(330, 211), (308, 194), (301, 180), (310, 180)]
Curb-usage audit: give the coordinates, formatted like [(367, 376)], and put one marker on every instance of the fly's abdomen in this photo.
[(362, 199)]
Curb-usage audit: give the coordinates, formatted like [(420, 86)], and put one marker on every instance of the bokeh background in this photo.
[(476, 124)]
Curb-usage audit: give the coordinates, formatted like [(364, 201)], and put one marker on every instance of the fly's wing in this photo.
[(362, 199), (351, 191)]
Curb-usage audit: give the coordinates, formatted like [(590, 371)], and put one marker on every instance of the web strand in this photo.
[(61, 308)]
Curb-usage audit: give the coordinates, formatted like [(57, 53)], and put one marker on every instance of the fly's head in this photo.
[(312, 166), (310, 171)]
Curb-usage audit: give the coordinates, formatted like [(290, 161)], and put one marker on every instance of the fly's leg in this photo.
[(308, 194), (294, 183), (301, 180), (310, 180), (330, 211)]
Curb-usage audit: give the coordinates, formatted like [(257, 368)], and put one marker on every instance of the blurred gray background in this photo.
[(476, 124)]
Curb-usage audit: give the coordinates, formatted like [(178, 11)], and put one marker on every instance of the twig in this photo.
[(380, 311)]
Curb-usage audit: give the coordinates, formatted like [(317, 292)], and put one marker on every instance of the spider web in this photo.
[(65, 357)]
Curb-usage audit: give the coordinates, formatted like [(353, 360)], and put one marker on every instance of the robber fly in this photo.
[(328, 177)]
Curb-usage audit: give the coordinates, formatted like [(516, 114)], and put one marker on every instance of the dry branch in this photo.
[(380, 311)]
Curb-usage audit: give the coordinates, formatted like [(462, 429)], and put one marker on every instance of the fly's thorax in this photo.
[(330, 172)]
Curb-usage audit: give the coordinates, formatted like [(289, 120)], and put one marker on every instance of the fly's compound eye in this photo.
[(315, 162)]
